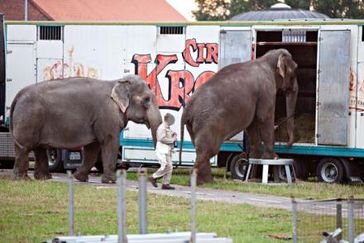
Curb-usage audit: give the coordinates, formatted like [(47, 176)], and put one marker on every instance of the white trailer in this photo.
[(176, 58)]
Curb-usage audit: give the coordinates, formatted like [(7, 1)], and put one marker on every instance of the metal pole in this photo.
[(121, 182), (26, 10), (351, 225), (71, 213), (193, 206), (142, 201), (339, 219), (294, 220)]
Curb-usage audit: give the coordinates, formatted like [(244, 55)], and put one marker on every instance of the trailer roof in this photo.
[(221, 23)]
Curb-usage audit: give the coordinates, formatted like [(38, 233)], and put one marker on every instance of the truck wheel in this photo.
[(300, 168), (282, 173), (238, 167), (55, 163), (330, 170)]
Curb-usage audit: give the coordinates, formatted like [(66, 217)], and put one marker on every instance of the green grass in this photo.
[(300, 189), (33, 211)]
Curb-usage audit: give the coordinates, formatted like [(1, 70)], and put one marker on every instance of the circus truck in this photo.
[(176, 59)]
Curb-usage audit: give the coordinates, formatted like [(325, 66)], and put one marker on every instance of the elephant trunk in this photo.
[(154, 119), (291, 99)]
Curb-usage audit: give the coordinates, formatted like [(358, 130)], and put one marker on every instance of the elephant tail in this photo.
[(183, 121)]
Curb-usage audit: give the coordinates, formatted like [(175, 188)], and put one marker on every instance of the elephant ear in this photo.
[(121, 95), (281, 65)]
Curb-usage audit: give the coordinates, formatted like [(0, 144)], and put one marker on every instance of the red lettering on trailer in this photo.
[(181, 83)]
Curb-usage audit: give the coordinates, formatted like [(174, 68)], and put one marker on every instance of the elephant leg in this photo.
[(21, 165), (203, 168), (255, 144), (90, 153), (205, 149), (267, 134), (109, 154), (254, 140), (41, 171)]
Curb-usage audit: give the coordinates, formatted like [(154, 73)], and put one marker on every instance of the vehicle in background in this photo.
[(176, 59)]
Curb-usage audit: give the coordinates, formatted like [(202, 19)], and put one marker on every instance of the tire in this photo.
[(330, 170), (301, 169), (282, 173), (238, 167), (55, 163)]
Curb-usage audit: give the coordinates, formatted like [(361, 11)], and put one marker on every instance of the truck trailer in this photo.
[(175, 59)]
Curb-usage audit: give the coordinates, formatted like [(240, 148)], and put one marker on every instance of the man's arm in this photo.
[(162, 136)]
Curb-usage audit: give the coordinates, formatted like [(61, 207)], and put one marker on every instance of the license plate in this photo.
[(75, 156)]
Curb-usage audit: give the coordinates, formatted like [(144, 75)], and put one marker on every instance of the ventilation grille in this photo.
[(50, 33), (294, 36), (171, 30)]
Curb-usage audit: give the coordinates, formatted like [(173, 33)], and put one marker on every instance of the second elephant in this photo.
[(240, 97), (79, 112)]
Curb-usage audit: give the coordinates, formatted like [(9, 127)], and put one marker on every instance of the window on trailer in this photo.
[(302, 44)]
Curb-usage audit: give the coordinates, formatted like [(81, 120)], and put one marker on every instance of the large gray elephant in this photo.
[(78, 112), (240, 97)]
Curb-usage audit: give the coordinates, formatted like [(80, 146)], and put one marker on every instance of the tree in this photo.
[(299, 4), (225, 9), (240, 6), (340, 8), (212, 10)]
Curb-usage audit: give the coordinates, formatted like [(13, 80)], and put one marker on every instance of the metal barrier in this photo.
[(143, 236), (328, 221)]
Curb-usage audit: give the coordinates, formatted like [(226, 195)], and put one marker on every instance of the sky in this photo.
[(184, 7)]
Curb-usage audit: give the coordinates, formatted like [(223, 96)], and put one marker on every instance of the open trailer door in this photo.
[(333, 86)]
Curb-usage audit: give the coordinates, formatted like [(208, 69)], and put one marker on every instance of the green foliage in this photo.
[(240, 6), (225, 9), (301, 4), (340, 9), (212, 10)]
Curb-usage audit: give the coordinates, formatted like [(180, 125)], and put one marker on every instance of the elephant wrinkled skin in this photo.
[(78, 112), (240, 97)]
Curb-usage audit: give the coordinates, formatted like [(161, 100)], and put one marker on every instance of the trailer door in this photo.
[(333, 86), (19, 73), (235, 46)]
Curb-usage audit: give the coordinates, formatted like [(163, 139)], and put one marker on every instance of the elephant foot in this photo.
[(203, 178), (81, 176), (20, 175), (42, 176), (108, 179), (269, 155)]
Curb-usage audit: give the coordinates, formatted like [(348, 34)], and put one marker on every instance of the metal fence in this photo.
[(143, 236), (328, 221)]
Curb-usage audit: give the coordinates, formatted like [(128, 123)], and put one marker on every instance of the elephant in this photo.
[(78, 112), (239, 97)]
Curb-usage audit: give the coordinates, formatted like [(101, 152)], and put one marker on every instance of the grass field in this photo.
[(300, 189), (34, 211)]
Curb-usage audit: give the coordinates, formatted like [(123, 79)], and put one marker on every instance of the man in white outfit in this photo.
[(164, 149)]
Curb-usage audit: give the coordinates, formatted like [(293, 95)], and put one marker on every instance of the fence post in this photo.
[(121, 183), (142, 201), (339, 219), (193, 206), (351, 225), (71, 213), (294, 220)]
